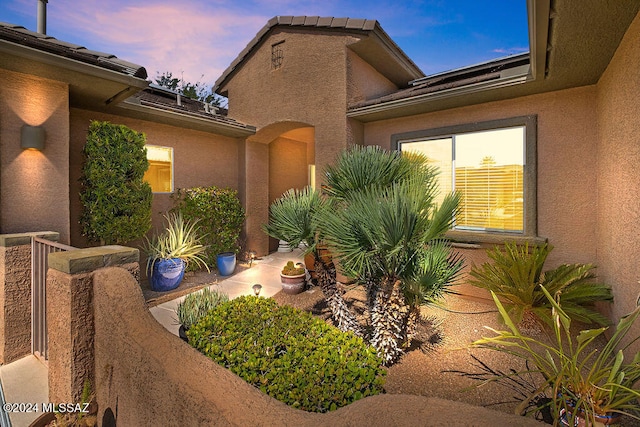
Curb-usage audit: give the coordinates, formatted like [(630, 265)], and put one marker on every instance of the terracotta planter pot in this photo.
[(309, 263), (292, 285)]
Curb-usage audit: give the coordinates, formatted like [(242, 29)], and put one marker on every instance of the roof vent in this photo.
[(210, 108), (42, 16)]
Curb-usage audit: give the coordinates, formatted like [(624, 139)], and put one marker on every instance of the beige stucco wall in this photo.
[(147, 376), (15, 302), (200, 159), (34, 185), (310, 88), (365, 82), (618, 189), (566, 145), (288, 168)]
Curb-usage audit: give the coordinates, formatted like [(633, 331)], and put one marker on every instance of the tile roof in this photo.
[(20, 35), (493, 70), (323, 23), (164, 99)]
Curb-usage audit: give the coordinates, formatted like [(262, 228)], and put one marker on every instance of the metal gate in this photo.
[(40, 249)]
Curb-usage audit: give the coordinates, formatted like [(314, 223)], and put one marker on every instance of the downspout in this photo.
[(42, 16)]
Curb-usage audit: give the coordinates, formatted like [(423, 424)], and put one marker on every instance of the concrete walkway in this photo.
[(25, 381), (265, 271)]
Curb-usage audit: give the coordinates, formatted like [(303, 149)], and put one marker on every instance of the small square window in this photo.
[(160, 172), (277, 55)]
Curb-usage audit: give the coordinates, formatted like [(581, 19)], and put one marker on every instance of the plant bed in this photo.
[(289, 354), (445, 337)]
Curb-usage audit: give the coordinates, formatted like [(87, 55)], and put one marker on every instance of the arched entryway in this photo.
[(291, 160), (278, 157)]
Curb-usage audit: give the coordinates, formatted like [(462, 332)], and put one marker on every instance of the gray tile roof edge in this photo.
[(21, 36), (305, 22)]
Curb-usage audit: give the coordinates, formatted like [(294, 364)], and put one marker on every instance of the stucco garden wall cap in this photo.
[(84, 260), (18, 239)]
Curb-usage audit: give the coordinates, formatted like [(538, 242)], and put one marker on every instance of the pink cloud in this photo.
[(171, 36)]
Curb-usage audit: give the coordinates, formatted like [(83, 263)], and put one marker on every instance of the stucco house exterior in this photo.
[(306, 87)]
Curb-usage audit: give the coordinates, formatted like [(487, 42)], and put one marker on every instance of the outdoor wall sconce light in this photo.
[(257, 288), (32, 137)]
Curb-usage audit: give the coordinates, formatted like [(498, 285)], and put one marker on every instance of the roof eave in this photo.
[(160, 115), (400, 70), (388, 108), (70, 64), (538, 13), (90, 86)]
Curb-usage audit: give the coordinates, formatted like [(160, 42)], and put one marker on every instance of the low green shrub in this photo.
[(289, 354), (219, 214)]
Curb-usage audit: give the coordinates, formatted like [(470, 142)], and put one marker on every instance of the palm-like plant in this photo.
[(384, 229), (516, 276), (293, 218), (380, 220)]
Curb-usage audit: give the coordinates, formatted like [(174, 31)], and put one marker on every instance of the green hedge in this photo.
[(289, 354), (220, 216), (115, 198)]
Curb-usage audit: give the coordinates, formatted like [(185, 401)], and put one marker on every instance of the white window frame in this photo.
[(530, 229)]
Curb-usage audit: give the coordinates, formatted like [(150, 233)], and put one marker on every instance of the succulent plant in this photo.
[(292, 269), (197, 305)]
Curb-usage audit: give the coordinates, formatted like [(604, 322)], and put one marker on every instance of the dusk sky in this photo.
[(199, 38)]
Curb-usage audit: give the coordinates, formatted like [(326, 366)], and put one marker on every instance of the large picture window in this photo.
[(491, 165), (160, 172)]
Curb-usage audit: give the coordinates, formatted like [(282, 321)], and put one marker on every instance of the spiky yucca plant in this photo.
[(179, 240), (516, 276), (293, 218)]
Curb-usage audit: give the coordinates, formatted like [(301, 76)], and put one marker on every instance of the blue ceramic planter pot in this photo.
[(226, 263), (167, 274)]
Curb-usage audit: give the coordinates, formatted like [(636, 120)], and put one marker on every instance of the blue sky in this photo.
[(198, 39)]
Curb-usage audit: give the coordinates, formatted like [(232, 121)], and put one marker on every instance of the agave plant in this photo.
[(516, 276), (179, 240)]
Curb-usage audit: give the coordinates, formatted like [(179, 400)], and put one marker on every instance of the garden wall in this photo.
[(147, 376)]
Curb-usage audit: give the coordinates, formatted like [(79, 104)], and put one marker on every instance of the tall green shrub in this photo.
[(116, 200), (220, 217)]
